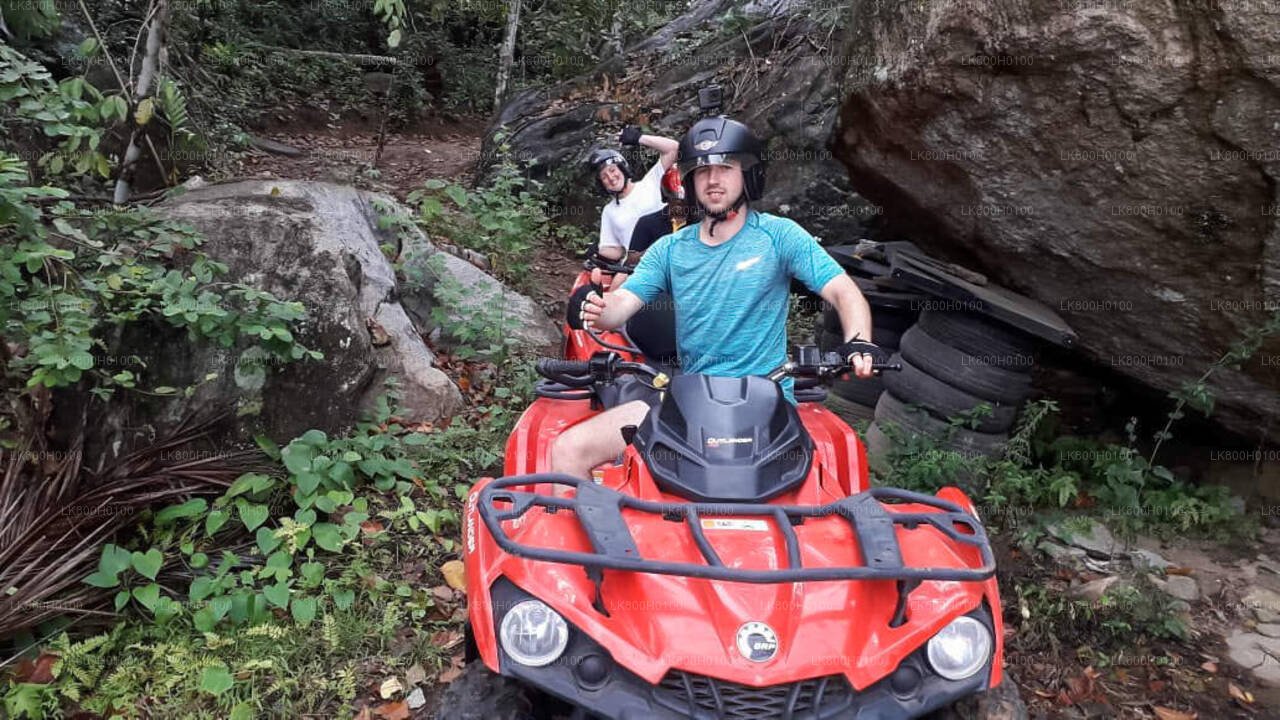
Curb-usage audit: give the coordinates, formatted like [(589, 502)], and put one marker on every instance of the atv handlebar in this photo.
[(607, 265), (828, 366), (604, 367), (552, 366)]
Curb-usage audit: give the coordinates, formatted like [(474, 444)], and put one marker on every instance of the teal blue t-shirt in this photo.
[(731, 300)]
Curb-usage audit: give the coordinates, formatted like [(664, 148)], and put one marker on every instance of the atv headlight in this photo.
[(960, 649), (533, 634)]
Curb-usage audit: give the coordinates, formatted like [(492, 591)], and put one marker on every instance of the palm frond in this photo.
[(55, 517)]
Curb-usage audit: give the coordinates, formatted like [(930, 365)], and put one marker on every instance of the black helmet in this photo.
[(604, 156), (713, 140)]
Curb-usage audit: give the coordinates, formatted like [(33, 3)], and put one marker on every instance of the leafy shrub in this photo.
[(1070, 473), (501, 220)]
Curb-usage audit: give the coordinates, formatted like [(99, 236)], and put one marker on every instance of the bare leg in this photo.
[(591, 442)]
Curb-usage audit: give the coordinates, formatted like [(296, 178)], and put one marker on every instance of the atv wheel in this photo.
[(1002, 702), (481, 694), (914, 385), (962, 370)]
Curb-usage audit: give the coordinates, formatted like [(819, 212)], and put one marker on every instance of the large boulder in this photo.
[(472, 301), (777, 76), (1116, 161), (315, 243)]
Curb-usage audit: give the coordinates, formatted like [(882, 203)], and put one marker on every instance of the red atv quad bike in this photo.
[(649, 335), (733, 564)]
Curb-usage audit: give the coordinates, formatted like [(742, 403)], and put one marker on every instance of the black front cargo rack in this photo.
[(599, 512)]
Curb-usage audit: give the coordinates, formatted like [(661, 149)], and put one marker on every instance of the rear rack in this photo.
[(599, 512)]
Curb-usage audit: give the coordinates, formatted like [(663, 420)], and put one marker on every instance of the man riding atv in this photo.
[(729, 276), (631, 200)]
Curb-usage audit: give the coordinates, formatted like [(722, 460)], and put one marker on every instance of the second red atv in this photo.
[(734, 564), (648, 335)]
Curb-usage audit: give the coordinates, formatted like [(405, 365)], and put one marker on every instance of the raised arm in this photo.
[(666, 147)]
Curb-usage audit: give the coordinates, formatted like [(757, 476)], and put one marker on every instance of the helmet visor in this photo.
[(742, 160)]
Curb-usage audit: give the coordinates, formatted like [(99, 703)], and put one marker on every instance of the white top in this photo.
[(618, 218)]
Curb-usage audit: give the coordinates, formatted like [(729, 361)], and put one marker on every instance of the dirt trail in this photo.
[(437, 149)]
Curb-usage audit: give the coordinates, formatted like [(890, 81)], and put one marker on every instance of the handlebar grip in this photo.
[(886, 366), (555, 366)]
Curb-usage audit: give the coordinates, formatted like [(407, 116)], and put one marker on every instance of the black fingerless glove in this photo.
[(630, 135), (877, 353)]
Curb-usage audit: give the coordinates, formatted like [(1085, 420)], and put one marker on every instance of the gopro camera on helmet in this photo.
[(709, 99)]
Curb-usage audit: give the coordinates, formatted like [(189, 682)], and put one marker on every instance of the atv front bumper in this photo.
[(586, 676)]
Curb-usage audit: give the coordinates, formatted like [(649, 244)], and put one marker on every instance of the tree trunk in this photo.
[(507, 56), (147, 80), (615, 31)]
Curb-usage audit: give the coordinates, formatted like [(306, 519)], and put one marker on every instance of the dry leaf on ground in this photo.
[(455, 574), (390, 687), (1242, 695), (393, 711)]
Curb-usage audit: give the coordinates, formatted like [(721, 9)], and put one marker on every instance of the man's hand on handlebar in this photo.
[(593, 303), (861, 355)]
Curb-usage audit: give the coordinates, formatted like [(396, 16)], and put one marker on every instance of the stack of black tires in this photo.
[(952, 362), (891, 314)]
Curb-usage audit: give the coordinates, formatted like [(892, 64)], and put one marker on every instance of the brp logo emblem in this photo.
[(757, 642)]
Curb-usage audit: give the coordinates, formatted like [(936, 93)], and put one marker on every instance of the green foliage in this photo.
[(568, 38), (173, 111), (1128, 613), (269, 669), (393, 14), (274, 628), (69, 276), (480, 325), (803, 317), (248, 84), (1070, 474), (29, 19), (501, 220), (1196, 393), (71, 112), (71, 279)]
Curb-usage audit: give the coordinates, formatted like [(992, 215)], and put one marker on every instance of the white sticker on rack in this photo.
[(735, 524)]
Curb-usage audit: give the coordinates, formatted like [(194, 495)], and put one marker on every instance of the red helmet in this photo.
[(672, 188)]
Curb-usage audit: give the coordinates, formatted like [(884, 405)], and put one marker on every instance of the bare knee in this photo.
[(580, 448), (566, 454)]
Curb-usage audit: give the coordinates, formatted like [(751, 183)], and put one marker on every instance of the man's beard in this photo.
[(719, 216)]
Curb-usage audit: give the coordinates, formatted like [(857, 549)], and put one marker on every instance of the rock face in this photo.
[(1093, 538), (483, 302), (315, 243), (1116, 161), (777, 78), (1257, 653)]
